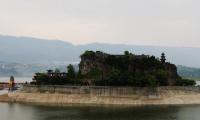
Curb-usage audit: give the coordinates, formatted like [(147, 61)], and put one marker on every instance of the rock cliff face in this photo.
[(172, 74), (130, 66), (91, 61)]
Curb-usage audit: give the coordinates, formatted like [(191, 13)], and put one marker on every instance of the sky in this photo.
[(137, 22)]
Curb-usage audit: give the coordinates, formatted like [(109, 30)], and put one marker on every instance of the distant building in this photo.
[(50, 73)]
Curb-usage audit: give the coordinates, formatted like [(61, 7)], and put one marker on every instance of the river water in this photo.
[(34, 112)]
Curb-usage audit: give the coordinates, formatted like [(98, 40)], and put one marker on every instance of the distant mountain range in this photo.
[(32, 50), (23, 56), (189, 72), (28, 70)]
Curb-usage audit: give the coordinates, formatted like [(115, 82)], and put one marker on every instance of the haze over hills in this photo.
[(33, 50), (22, 56), (26, 70), (189, 72)]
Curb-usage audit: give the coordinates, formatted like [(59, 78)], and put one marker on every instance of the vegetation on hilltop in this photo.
[(101, 69)]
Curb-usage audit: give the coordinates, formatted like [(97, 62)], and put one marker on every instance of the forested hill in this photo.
[(33, 50), (189, 72), (99, 68)]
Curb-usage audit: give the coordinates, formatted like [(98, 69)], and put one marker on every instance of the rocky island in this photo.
[(111, 79), (128, 70)]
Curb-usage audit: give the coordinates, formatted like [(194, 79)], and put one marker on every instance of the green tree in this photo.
[(57, 70), (42, 79), (88, 54), (95, 73), (151, 81), (113, 78), (126, 53), (71, 71), (161, 75), (188, 82)]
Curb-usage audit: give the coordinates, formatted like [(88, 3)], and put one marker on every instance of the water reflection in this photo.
[(30, 112)]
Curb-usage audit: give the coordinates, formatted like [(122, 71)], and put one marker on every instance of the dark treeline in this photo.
[(55, 77), (112, 70)]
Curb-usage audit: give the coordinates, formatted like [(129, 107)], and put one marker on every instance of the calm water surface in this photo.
[(33, 112)]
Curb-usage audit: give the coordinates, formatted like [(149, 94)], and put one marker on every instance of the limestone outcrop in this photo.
[(129, 66)]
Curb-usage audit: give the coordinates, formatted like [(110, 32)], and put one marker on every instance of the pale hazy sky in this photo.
[(144, 22)]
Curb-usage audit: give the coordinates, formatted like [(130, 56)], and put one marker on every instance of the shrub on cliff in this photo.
[(71, 72), (151, 81), (88, 54), (187, 82), (161, 76)]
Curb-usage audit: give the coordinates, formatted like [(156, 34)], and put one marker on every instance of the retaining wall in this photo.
[(107, 95)]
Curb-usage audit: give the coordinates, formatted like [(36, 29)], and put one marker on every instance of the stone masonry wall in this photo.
[(105, 90), (62, 95)]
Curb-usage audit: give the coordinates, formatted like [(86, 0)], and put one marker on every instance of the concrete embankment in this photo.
[(62, 95)]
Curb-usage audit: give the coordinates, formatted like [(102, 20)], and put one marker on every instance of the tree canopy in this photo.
[(101, 69)]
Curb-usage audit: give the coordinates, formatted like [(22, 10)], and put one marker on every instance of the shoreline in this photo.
[(83, 95), (60, 100)]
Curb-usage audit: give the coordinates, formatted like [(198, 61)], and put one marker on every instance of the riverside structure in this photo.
[(63, 95)]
